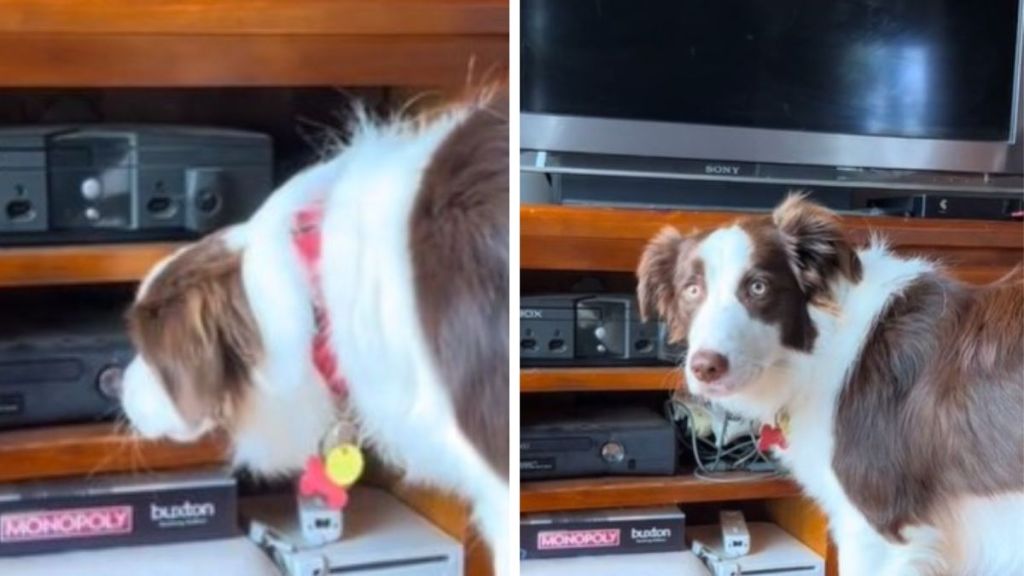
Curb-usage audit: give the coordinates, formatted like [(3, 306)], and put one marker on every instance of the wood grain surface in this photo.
[(612, 492), (608, 239), (193, 43), (253, 17), (95, 449), (156, 60), (83, 264), (533, 380)]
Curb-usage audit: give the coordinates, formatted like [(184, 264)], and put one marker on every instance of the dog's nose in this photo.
[(708, 366)]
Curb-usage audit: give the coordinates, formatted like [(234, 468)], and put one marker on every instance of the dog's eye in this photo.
[(692, 291), (758, 287)]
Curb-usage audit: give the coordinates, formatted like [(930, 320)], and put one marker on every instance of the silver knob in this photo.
[(92, 214), (91, 189), (600, 332), (109, 381), (613, 452)]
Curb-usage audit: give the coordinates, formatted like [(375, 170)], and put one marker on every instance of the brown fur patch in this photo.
[(459, 241), (935, 405), (783, 303), (194, 327), (817, 247), (668, 265)]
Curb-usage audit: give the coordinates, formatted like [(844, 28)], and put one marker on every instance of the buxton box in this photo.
[(48, 516), (592, 533)]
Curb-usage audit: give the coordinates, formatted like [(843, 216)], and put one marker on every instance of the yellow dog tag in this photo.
[(345, 464)]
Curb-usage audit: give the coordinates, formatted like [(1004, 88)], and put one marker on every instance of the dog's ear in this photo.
[(816, 247), (194, 327), (656, 289)]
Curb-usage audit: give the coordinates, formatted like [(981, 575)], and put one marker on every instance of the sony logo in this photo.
[(723, 169), (531, 314)]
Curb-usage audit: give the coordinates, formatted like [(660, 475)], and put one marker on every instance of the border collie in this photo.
[(900, 391), (389, 303)]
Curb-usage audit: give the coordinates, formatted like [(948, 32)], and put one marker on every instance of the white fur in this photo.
[(722, 324), (146, 402), (403, 406), (982, 533), (394, 387)]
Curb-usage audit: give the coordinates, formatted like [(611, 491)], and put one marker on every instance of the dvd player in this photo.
[(590, 330)]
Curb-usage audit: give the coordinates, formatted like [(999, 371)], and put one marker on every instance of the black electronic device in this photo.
[(960, 207), (832, 84), (596, 441), (590, 330), (62, 357), (100, 183), (826, 99)]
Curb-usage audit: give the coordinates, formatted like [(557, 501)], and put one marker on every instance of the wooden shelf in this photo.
[(297, 17), (611, 239), (614, 492), (533, 380), (104, 43), (93, 449), (85, 264)]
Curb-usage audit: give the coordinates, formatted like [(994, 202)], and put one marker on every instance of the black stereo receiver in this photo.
[(596, 441), (62, 356), (67, 184), (590, 330)]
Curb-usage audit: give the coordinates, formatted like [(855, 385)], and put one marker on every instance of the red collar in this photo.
[(306, 227)]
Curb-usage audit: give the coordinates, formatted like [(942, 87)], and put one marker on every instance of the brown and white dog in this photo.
[(413, 282), (903, 388)]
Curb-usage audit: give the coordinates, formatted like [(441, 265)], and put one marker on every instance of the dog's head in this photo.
[(197, 344), (205, 361), (741, 296)]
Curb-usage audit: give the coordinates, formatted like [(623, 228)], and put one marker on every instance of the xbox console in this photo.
[(62, 356), (596, 441)]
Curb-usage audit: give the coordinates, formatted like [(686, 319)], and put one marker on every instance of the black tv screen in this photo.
[(941, 69)]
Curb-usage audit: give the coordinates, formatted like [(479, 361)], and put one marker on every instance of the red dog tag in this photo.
[(771, 437)]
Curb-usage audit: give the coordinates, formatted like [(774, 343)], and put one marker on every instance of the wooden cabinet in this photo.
[(400, 46), (57, 43)]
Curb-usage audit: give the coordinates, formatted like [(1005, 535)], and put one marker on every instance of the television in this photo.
[(914, 85)]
